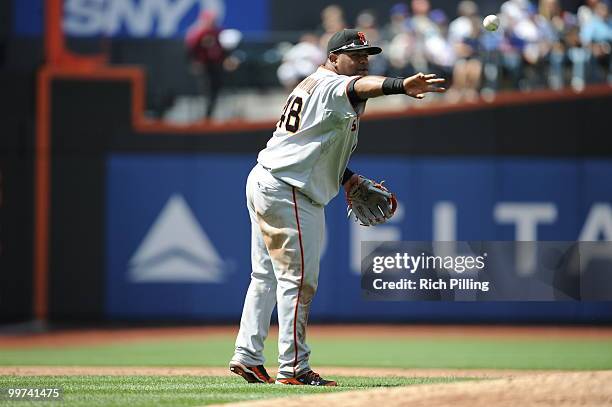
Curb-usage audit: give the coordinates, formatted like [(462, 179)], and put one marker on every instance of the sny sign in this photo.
[(133, 18)]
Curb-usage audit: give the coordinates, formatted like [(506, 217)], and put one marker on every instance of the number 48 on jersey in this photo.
[(291, 114)]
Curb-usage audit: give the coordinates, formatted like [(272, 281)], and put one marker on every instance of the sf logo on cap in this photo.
[(362, 37)]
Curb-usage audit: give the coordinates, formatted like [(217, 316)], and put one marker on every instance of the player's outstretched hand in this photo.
[(420, 84)]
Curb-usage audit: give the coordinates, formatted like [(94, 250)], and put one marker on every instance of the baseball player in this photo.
[(297, 174)]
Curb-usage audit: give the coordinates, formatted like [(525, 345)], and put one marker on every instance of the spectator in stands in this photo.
[(438, 51), (553, 26), (422, 27), (596, 36), (527, 38), (462, 26), (512, 14), (399, 22), (421, 21), (300, 61), (534, 47), (492, 45), (586, 11), (578, 56), (440, 19), (366, 22), (332, 21), (552, 15), (403, 57), (464, 38), (467, 71), (207, 56)]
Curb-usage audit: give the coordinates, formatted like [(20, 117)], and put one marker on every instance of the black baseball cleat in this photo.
[(309, 378), (252, 374)]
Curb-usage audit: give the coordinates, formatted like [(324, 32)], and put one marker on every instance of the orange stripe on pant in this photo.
[(297, 302)]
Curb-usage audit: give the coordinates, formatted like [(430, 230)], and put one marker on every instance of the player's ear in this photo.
[(333, 58)]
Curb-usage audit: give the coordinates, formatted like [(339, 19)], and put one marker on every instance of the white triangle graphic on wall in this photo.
[(176, 249)]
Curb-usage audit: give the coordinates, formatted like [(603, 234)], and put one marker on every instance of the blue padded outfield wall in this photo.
[(178, 232)]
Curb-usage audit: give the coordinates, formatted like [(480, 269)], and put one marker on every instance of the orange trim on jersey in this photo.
[(297, 302)]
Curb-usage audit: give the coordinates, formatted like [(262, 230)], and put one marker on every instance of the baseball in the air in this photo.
[(491, 22)]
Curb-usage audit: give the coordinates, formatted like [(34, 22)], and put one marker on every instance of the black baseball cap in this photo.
[(349, 41)]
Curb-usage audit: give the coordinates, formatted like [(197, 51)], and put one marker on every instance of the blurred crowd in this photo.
[(537, 46)]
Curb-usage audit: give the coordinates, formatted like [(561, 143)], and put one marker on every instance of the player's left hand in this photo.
[(420, 84), (369, 203)]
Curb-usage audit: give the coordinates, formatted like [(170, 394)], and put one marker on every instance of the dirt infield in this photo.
[(585, 389), (103, 336)]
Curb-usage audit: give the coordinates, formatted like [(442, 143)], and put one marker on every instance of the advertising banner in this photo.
[(178, 232), (139, 18)]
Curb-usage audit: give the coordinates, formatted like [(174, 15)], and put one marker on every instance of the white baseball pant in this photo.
[(287, 231)]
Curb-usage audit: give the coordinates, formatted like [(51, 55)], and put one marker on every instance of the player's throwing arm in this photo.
[(416, 86)]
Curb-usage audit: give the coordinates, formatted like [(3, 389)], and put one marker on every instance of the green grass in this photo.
[(147, 391), (420, 352), (407, 353)]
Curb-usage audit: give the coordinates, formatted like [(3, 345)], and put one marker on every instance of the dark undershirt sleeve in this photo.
[(352, 94), (346, 176)]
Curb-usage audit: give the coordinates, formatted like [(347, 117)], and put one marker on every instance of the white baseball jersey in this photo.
[(315, 136)]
